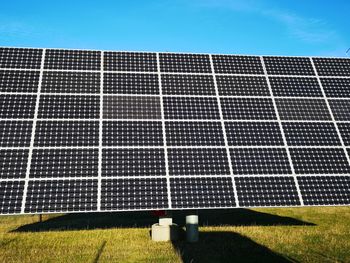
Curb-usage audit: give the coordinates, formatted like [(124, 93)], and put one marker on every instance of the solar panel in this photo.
[(94, 131)]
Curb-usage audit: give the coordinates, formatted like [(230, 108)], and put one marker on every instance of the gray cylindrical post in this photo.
[(192, 228)]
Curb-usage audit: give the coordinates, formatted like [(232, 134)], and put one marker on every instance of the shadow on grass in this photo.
[(232, 217), (225, 247)]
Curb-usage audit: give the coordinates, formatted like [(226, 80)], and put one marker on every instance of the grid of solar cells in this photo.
[(303, 109), (130, 83), (242, 86), (11, 193), (266, 191), (134, 194), (253, 134), (246, 161), (120, 145), (288, 66), (70, 82), (19, 81), (13, 163), (133, 162), (336, 87), (132, 133), (61, 196), (130, 61), (57, 163), (70, 107), (194, 134), (189, 63), (237, 64), (131, 107), (15, 133), (295, 87), (340, 109), (176, 84), (182, 108), (72, 59), (17, 106), (199, 161), (248, 109), (313, 134), (332, 66), (66, 133), (202, 192), (325, 190), (24, 58), (320, 161)]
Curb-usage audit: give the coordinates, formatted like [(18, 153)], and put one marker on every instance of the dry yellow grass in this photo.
[(260, 235)]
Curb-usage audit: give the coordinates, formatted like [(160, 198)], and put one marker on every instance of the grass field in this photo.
[(260, 235)]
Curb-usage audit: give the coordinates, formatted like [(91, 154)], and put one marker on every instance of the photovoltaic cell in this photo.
[(325, 190), (176, 84), (336, 87), (253, 134), (134, 194), (250, 161), (13, 163), (69, 107), (200, 161), (242, 86), (189, 63), (19, 81), (237, 64), (132, 133), (130, 83), (288, 66), (17, 106), (182, 108), (194, 133), (15, 133), (131, 107), (72, 59), (24, 58), (133, 162), (340, 109), (61, 196), (11, 193), (303, 109), (130, 61), (70, 82), (319, 161), (66, 133), (58, 163), (332, 66), (295, 87), (202, 192), (266, 191), (247, 109), (344, 129), (313, 134)]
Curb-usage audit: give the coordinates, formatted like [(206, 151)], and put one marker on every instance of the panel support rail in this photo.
[(282, 133), (224, 131), (31, 146)]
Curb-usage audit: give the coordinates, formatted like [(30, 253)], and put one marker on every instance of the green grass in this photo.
[(260, 235)]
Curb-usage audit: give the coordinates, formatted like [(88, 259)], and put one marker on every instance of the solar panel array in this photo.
[(85, 131)]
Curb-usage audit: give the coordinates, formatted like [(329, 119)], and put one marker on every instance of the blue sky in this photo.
[(318, 28)]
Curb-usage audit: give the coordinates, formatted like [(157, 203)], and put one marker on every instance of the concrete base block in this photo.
[(165, 232)]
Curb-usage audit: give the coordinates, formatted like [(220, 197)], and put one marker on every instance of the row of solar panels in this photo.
[(19, 81), (169, 62), (186, 193)]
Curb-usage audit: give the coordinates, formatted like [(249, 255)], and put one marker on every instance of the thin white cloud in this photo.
[(307, 29)]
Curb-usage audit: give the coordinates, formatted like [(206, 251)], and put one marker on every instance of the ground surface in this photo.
[(260, 235)]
